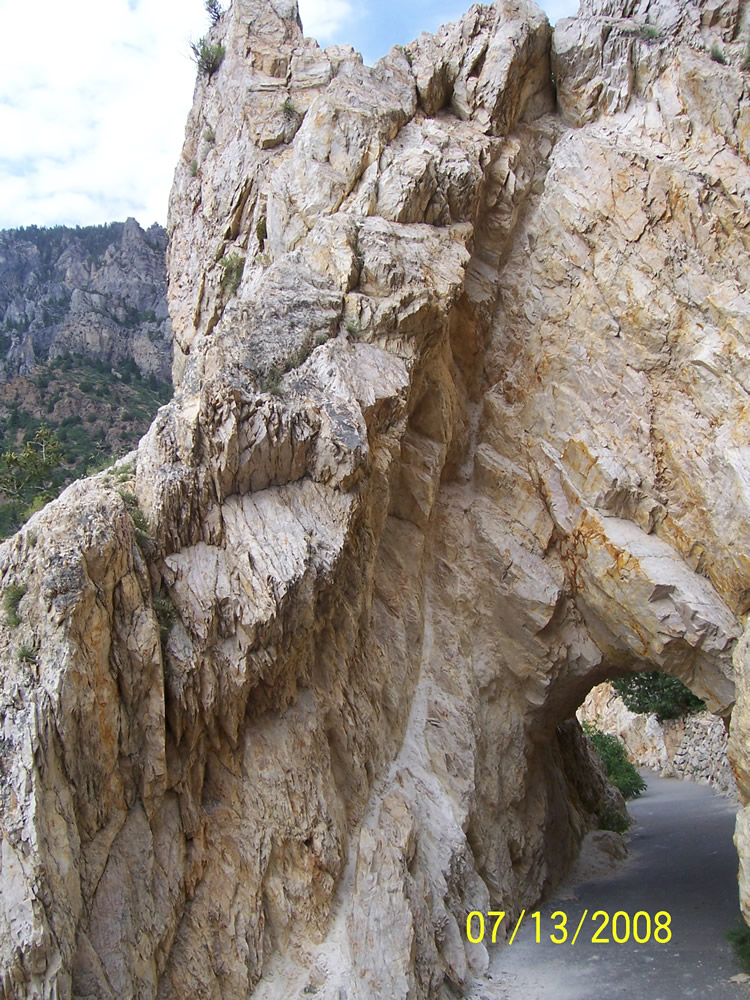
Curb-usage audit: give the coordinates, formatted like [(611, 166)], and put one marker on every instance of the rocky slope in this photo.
[(459, 430), (99, 291)]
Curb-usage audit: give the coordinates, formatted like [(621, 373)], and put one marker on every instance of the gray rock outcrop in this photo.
[(459, 430), (100, 291)]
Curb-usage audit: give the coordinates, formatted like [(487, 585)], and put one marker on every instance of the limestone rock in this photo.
[(459, 429)]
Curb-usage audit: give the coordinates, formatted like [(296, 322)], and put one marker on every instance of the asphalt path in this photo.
[(682, 863)]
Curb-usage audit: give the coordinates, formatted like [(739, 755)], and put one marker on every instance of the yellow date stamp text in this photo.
[(617, 928)]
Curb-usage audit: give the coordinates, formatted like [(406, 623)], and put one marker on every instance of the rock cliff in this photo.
[(459, 430), (98, 290)]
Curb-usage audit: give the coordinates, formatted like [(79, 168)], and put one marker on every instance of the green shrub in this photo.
[(139, 518), (648, 32), (27, 654), (39, 501), (662, 694), (207, 55), (620, 771), (213, 9), (261, 232), (209, 135), (193, 168), (271, 381), (739, 937), (612, 819), (100, 465), (718, 55), (11, 599), (166, 615), (233, 266)]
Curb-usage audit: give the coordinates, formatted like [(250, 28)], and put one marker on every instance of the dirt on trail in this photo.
[(680, 876)]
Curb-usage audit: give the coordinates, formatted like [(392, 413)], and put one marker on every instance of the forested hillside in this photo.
[(85, 353)]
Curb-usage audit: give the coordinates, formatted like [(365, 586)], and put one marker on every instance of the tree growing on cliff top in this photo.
[(213, 10)]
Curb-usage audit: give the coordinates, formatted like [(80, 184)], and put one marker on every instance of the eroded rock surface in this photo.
[(460, 429)]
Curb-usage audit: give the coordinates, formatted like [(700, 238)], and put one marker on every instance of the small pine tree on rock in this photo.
[(213, 10)]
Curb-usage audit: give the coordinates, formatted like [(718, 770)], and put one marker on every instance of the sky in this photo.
[(94, 95)]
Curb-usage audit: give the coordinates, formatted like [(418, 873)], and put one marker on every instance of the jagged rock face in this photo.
[(99, 291), (459, 430)]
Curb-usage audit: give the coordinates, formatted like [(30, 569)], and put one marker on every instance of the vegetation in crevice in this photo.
[(261, 232), (166, 615), (207, 55), (27, 654), (648, 32), (232, 266), (270, 380), (11, 599), (142, 535)]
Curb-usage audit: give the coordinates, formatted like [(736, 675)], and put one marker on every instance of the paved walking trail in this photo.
[(682, 861)]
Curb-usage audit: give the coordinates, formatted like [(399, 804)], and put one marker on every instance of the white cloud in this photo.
[(322, 19), (93, 102)]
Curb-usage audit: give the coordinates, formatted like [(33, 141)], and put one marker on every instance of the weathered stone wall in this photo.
[(465, 435), (695, 747)]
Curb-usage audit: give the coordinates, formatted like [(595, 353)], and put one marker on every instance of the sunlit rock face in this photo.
[(460, 429)]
